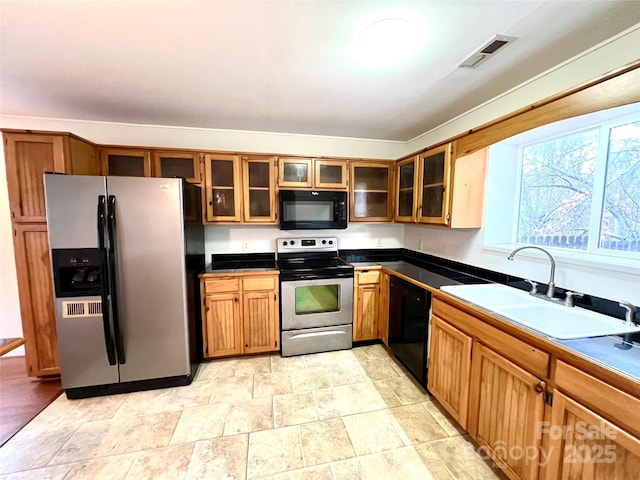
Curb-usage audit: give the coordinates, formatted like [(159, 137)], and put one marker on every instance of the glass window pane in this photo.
[(223, 204), (126, 165), (432, 201), (620, 229), (371, 178), (433, 169), (259, 203), (222, 173), (258, 174), (177, 167), (330, 174), (405, 203), (317, 299), (406, 175), (296, 172), (556, 190), (370, 204)]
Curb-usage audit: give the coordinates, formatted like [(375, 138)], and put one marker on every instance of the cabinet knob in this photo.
[(540, 387)]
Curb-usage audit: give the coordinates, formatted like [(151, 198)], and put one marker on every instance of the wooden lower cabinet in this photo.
[(222, 324), (366, 296), (383, 311), (240, 315), (506, 412), (35, 285), (449, 368)]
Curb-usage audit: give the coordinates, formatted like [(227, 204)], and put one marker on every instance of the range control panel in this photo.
[(307, 244)]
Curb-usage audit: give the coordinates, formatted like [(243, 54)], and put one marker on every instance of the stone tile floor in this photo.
[(352, 414)]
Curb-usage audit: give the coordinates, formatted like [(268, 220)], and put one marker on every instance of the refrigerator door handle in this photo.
[(113, 267), (108, 339)]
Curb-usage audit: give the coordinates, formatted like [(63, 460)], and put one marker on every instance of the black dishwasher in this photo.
[(409, 311)]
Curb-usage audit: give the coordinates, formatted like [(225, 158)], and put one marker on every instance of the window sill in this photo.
[(590, 260)]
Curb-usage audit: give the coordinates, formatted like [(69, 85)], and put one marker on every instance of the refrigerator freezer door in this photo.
[(151, 277), (81, 344), (72, 202)]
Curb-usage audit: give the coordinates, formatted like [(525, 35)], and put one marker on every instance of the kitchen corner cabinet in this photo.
[(222, 195), (240, 314), (449, 368), (127, 162), (594, 429), (312, 173), (501, 379), (259, 189), (438, 187), (27, 157), (170, 164), (371, 191), (367, 293)]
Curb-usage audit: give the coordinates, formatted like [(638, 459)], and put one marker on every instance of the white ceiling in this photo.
[(277, 66)]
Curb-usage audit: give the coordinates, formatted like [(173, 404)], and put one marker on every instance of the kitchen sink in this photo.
[(553, 320)]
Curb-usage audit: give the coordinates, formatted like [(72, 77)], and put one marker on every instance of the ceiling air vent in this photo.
[(484, 52)]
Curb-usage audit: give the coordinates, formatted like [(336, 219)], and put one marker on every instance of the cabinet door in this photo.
[(177, 164), (260, 321), (35, 284), (406, 190), (449, 368), (222, 188), (330, 174), (259, 189), (295, 172), (125, 162), (505, 413), (584, 445), (27, 157), (371, 197), (367, 293), (435, 174), (223, 332)]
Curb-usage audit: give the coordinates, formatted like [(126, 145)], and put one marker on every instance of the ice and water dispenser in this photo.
[(77, 272)]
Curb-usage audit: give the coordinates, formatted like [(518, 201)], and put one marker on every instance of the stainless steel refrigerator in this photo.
[(125, 254)]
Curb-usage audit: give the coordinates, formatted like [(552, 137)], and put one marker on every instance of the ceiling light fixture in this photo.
[(388, 39)]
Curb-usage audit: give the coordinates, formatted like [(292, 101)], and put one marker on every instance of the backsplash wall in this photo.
[(257, 239)]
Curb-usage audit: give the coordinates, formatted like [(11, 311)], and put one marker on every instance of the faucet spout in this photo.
[(552, 273)]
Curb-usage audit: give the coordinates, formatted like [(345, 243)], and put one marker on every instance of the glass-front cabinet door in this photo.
[(371, 192), (125, 162), (259, 189), (295, 173), (222, 188), (435, 174), (177, 164), (406, 190), (330, 174)]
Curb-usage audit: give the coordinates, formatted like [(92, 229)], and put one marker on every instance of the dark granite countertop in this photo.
[(242, 263)]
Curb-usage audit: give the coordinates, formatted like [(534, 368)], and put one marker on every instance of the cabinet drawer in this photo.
[(521, 353), (370, 276), (259, 283), (221, 285), (612, 403)]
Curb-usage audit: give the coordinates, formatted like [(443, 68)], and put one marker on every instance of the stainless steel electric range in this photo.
[(316, 296)]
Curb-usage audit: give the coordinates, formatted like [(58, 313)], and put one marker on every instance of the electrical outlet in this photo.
[(379, 242), (245, 246)]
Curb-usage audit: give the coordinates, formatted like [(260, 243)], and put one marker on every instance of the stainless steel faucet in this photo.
[(552, 274)]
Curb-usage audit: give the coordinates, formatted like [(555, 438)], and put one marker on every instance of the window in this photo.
[(576, 185)]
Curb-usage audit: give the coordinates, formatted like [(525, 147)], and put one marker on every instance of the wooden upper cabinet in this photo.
[(28, 156), (439, 187), (126, 162), (371, 191), (406, 190), (222, 188), (435, 175), (177, 164), (330, 174), (312, 173), (259, 189)]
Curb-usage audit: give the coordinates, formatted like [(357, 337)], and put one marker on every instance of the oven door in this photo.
[(319, 302)]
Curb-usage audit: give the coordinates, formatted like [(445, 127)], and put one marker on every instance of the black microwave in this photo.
[(312, 209)]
